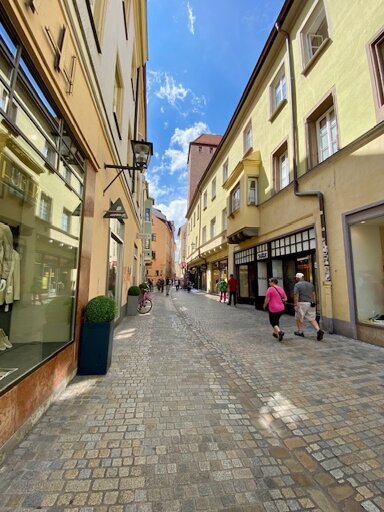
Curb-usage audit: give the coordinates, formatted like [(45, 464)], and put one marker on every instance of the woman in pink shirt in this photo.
[(275, 303)]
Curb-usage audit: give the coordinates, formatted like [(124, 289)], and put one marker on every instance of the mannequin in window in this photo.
[(6, 255)]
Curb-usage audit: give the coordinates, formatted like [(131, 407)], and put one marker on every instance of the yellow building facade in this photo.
[(300, 168), (72, 194)]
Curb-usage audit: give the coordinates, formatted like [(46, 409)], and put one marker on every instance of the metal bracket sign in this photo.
[(116, 211)]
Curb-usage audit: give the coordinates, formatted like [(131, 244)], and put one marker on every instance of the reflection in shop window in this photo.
[(367, 239), (45, 207)]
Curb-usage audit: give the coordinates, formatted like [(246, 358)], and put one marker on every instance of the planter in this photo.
[(95, 348), (132, 303)]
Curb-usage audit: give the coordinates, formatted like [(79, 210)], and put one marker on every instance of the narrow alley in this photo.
[(203, 410)]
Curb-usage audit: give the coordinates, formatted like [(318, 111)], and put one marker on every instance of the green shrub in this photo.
[(134, 290), (143, 286), (100, 309)]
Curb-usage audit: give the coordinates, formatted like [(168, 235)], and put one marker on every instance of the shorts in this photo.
[(305, 311), (274, 318)]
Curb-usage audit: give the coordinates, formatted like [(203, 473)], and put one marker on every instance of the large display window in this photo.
[(41, 188), (367, 241)]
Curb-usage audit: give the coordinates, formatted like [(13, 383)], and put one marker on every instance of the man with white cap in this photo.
[(305, 305)]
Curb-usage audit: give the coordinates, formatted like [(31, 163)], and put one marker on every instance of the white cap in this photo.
[(299, 275)]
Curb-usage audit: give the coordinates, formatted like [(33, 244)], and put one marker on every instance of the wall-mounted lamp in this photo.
[(142, 152)]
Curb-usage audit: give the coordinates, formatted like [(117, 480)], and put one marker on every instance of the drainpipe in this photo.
[(312, 193)]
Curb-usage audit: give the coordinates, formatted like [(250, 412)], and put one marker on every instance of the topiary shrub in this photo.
[(100, 309), (143, 286), (134, 290)]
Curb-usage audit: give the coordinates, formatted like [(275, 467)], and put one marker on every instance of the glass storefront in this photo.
[(115, 261), (367, 241), (41, 189)]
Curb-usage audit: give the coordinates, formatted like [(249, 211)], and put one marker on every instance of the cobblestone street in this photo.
[(203, 410)]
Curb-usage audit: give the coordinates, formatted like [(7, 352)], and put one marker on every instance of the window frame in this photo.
[(331, 142), (275, 106), (376, 60), (225, 170), (235, 198), (247, 138), (250, 179), (327, 103), (278, 183), (213, 189), (310, 28), (212, 227), (205, 200)]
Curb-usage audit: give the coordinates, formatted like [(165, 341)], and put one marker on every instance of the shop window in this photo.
[(322, 132), (235, 199), (314, 34), (367, 243), (39, 261)]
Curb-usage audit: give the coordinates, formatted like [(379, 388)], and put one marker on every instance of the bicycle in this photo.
[(144, 304)]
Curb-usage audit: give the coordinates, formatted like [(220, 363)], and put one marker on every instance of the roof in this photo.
[(209, 139)]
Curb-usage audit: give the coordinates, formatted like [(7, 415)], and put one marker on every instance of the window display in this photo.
[(41, 186), (367, 240)]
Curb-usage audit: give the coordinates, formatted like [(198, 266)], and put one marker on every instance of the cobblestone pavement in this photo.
[(203, 410)]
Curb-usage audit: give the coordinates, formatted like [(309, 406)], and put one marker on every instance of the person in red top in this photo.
[(275, 300), (232, 287)]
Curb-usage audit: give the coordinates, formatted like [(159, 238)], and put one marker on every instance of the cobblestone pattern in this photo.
[(202, 410)]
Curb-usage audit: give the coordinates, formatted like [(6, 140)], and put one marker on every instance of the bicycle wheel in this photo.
[(145, 307)]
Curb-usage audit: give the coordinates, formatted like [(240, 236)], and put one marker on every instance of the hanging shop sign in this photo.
[(116, 211)]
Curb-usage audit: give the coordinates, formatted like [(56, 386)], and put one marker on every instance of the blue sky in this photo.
[(201, 55)]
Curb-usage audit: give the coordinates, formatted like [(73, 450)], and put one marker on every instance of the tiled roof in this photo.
[(209, 139)]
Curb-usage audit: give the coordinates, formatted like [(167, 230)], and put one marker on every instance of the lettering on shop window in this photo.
[(62, 63)]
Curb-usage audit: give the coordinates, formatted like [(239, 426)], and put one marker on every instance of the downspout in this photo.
[(316, 193)]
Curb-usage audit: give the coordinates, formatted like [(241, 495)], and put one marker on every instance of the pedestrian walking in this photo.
[(222, 287), (305, 306), (232, 286), (168, 283), (274, 302)]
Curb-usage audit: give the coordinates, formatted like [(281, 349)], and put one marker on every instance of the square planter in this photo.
[(95, 353), (132, 303)]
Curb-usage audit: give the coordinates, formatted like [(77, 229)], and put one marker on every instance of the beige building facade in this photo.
[(300, 169), (163, 248), (72, 99)]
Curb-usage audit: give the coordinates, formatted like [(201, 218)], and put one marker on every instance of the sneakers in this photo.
[(281, 336), (299, 333), (320, 335)]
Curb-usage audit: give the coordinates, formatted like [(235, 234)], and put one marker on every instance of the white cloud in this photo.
[(175, 211), (191, 19), (164, 86), (171, 91), (177, 154)]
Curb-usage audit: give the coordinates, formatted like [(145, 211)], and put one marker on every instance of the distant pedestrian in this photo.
[(305, 306), (275, 299), (177, 284), (232, 286), (168, 283), (222, 288)]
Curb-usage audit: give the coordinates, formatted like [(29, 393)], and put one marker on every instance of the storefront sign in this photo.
[(116, 211), (262, 255)]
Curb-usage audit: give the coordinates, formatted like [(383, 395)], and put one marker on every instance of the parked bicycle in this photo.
[(144, 304)]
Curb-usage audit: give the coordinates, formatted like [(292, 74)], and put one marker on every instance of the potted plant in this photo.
[(97, 336), (132, 300)]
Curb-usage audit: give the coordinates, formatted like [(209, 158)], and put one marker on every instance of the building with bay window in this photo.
[(301, 169), (72, 100)]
